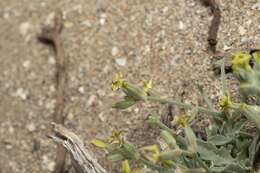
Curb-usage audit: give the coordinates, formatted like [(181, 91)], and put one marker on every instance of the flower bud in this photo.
[(124, 104), (134, 92), (169, 139), (170, 155)]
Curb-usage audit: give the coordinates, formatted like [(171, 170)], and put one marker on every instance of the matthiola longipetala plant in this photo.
[(232, 140)]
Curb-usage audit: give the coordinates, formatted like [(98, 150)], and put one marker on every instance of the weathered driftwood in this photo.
[(82, 160)]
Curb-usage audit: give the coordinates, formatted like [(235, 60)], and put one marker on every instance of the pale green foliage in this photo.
[(231, 145)]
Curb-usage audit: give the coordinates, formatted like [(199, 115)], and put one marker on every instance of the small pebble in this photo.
[(175, 59), (188, 51), (241, 30), (49, 19), (244, 40), (6, 15), (24, 28), (51, 60), (20, 92), (11, 129), (102, 21), (82, 71), (36, 146), (70, 116), (107, 68), (121, 61), (86, 23), (81, 90), (147, 49), (226, 47), (181, 25), (52, 88), (8, 146), (31, 127), (114, 51), (43, 4), (50, 104), (26, 64), (92, 100), (101, 92), (101, 116), (165, 9)]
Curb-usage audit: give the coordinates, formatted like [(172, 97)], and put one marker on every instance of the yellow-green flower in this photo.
[(225, 101), (117, 82), (116, 138), (152, 153), (241, 61), (181, 120), (147, 85)]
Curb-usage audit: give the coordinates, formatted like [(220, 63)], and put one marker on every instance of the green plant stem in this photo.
[(223, 77), (173, 154), (245, 134), (184, 105), (150, 164), (205, 98)]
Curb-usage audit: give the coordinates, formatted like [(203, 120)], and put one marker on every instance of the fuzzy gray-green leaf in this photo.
[(219, 140)]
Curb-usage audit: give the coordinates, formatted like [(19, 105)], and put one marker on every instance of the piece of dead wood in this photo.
[(81, 158), (214, 27), (51, 35)]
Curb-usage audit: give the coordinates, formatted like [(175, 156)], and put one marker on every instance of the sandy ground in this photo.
[(162, 40)]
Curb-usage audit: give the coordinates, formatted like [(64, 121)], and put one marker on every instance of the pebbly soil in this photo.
[(162, 40)]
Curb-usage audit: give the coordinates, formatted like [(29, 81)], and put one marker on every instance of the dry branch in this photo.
[(52, 35), (214, 27), (82, 160)]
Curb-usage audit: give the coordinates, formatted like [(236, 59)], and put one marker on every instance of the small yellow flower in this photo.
[(152, 153), (147, 85), (181, 120), (116, 138), (117, 81), (225, 101), (241, 60)]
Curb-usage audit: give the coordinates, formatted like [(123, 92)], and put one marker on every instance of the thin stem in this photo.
[(205, 98), (151, 164), (184, 105), (223, 77), (246, 134)]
